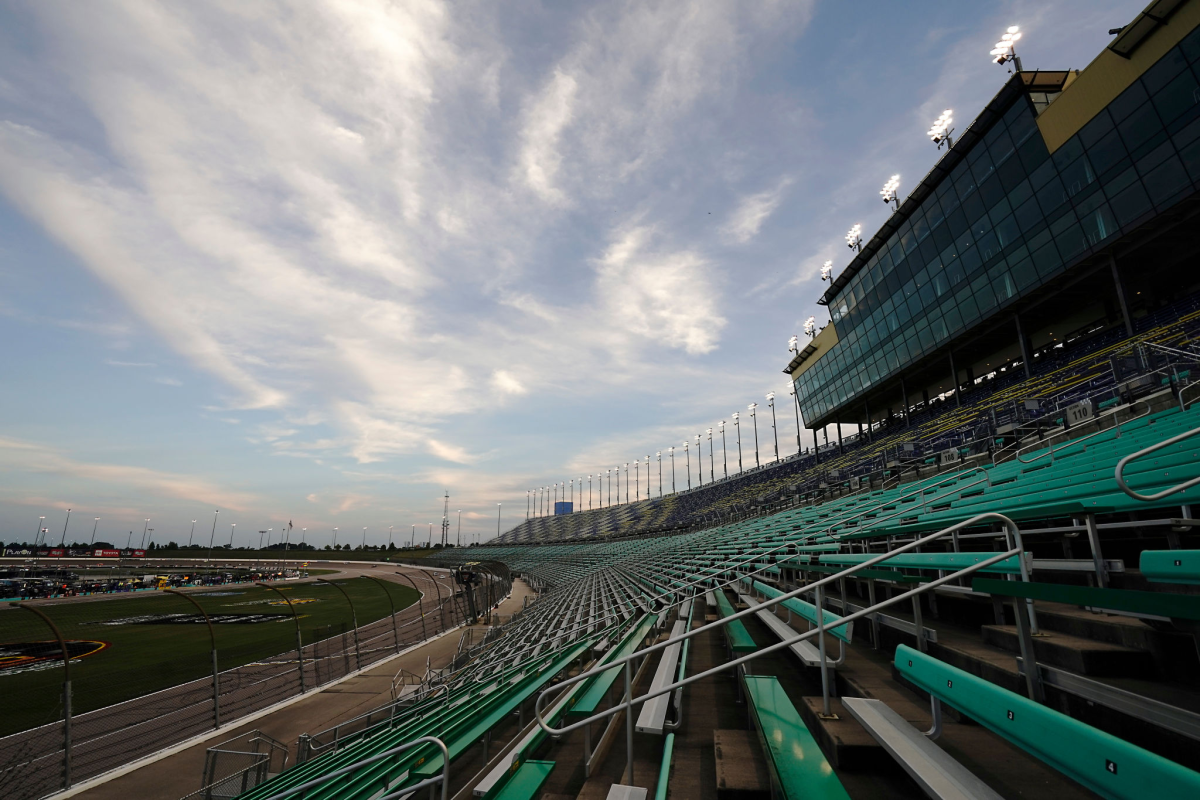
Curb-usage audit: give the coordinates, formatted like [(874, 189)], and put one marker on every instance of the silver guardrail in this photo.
[(1013, 532), (1118, 473), (443, 779)]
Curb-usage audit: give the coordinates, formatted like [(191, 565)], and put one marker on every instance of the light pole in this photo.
[(754, 420), (796, 404), (854, 237), (658, 455), (609, 472), (699, 462), (144, 529), (724, 451), (192, 533), (232, 527), (617, 469), (941, 133), (212, 535), (671, 452), (774, 430), (428, 543), (712, 465), (498, 519), (626, 483), (571, 483), (637, 480), (589, 492), (688, 461), (335, 530), (97, 523), (737, 430), (890, 193), (37, 537), (64, 536), (458, 536), (1004, 50), (389, 536), (364, 542), (526, 504)]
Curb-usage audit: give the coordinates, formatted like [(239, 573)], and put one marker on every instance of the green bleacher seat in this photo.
[(1159, 604), (798, 767), (1109, 766), (736, 634), (808, 611), (1171, 566), (951, 562), (526, 782)]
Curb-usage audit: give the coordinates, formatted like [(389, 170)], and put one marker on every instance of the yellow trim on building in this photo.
[(826, 339), (1108, 75)]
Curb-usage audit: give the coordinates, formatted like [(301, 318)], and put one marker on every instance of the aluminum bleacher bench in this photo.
[(1109, 766), (933, 769)]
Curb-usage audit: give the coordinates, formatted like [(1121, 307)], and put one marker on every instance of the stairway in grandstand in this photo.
[(1018, 629)]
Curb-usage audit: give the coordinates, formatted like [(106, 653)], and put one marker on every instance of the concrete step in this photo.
[(1074, 653)]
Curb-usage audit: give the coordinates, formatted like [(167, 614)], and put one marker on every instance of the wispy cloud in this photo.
[(752, 211)]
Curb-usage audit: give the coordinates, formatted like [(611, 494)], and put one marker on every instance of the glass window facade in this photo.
[(1006, 219)]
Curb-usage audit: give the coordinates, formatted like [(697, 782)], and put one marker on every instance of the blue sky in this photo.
[(321, 262)]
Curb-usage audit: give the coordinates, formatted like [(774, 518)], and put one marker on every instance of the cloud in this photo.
[(665, 297), (28, 457), (545, 120), (169, 381), (752, 211)]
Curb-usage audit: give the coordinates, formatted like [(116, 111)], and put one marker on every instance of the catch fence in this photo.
[(94, 684)]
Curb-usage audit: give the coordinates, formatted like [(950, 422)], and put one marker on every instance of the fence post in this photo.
[(212, 636), (441, 618), (296, 619), (392, 605), (420, 604), (353, 619), (62, 644)]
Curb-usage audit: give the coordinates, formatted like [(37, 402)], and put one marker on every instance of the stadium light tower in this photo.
[(737, 429), (724, 450), (193, 532), (658, 455), (699, 462), (712, 464), (498, 518), (688, 462), (941, 132), (97, 523), (364, 543), (647, 476), (609, 473), (889, 193), (144, 528), (37, 538), (212, 535), (389, 536), (458, 536), (335, 531), (754, 420), (232, 528), (627, 481), (810, 328), (64, 536), (774, 429), (1005, 51), (827, 271), (671, 450), (854, 237), (796, 405), (637, 479)]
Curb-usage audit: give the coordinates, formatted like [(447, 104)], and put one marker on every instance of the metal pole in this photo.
[(392, 606), (353, 620), (62, 645), (828, 712), (629, 723), (212, 637), (441, 620), (299, 644), (420, 604)]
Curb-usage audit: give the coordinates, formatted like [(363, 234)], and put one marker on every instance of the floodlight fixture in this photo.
[(941, 131), (888, 192), (1005, 49), (827, 271), (810, 327), (794, 344), (854, 238)]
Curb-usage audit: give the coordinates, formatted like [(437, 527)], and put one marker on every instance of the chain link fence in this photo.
[(94, 684)]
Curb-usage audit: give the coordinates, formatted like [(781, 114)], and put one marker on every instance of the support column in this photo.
[(867, 408), (837, 423), (954, 376), (1021, 340), (904, 401), (1116, 276)]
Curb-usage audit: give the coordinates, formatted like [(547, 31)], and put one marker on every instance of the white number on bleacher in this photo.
[(1011, 715), (1111, 766)]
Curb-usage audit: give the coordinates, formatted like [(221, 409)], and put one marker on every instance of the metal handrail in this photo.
[(1116, 426), (1018, 550), (1117, 473), (956, 490), (444, 778)]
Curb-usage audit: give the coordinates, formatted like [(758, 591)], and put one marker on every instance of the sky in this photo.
[(323, 262)]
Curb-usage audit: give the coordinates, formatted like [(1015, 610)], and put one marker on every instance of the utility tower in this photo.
[(446, 522)]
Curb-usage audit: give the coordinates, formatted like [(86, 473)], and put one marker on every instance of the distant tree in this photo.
[(172, 546)]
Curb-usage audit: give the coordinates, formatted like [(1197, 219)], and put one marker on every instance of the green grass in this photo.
[(145, 658)]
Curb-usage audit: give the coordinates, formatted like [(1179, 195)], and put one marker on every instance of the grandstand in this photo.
[(988, 589)]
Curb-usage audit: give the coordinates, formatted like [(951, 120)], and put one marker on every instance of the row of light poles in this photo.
[(542, 501)]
